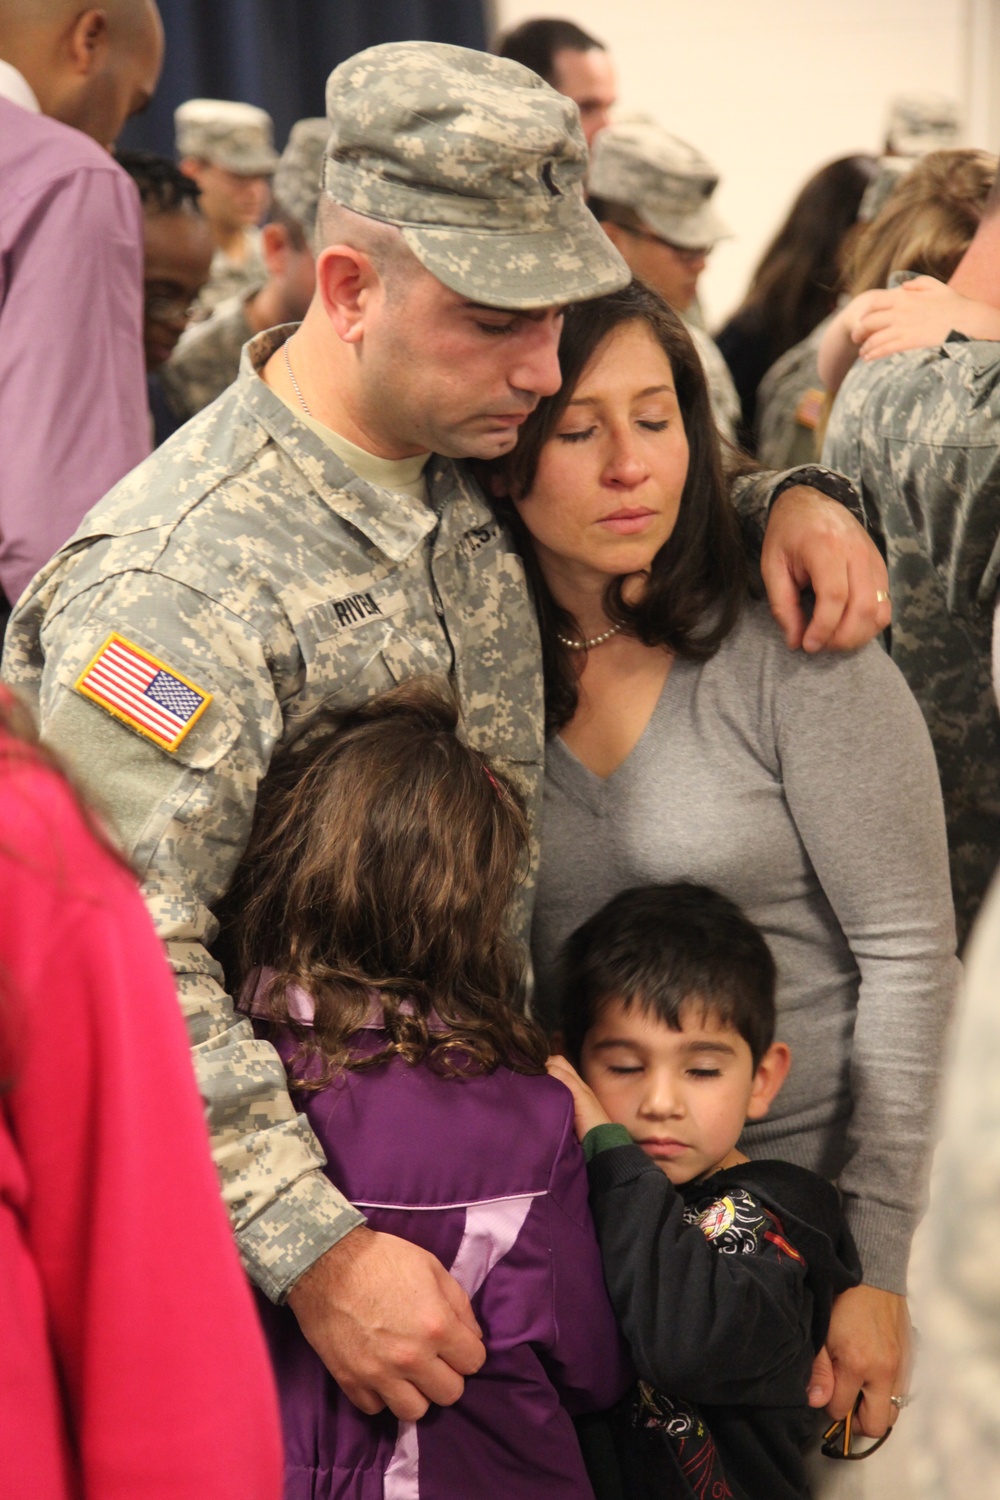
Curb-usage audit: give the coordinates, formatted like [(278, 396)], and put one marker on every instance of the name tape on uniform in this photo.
[(143, 692)]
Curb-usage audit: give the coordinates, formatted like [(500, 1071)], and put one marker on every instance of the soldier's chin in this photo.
[(492, 444)]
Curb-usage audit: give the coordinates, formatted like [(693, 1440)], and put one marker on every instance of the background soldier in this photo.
[(653, 196), (310, 539), (208, 357), (918, 432), (228, 149), (571, 61)]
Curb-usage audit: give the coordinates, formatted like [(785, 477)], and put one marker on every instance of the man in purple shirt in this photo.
[(73, 415)]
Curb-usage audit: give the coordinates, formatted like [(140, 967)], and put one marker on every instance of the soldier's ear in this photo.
[(345, 279), (275, 245)]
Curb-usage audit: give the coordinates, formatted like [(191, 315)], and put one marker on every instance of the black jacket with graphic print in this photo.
[(723, 1288)]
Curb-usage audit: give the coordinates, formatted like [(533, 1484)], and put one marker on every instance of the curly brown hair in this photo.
[(383, 857)]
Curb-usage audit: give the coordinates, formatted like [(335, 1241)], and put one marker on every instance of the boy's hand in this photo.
[(917, 315), (587, 1109)]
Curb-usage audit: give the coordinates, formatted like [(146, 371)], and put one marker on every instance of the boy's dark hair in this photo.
[(665, 947), (383, 856), (534, 44), (163, 187)]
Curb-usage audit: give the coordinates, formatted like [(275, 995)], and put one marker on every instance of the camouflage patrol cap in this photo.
[(480, 165), (664, 180), (886, 178), (239, 137), (919, 123), (297, 181)]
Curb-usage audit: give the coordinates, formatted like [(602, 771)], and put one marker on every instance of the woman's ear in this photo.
[(772, 1070)]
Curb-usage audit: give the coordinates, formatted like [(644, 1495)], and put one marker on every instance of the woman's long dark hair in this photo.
[(796, 283), (383, 856), (698, 579)]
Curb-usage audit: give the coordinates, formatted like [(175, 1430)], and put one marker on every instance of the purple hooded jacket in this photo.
[(484, 1172)]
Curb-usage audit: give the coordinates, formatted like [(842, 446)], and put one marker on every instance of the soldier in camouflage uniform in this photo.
[(228, 148), (207, 359), (919, 434), (653, 196), (297, 546), (790, 404)]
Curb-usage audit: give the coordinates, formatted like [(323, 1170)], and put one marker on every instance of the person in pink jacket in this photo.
[(131, 1363)]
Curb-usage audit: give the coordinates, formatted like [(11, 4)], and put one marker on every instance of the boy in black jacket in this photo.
[(722, 1270)]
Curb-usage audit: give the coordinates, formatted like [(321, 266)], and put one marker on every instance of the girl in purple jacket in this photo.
[(372, 906)]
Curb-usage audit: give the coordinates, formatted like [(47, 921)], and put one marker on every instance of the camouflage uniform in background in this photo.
[(239, 138), (207, 358), (721, 390), (248, 563), (789, 404), (230, 278), (918, 433), (296, 183)]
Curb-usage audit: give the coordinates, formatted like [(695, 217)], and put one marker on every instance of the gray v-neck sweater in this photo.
[(805, 789)]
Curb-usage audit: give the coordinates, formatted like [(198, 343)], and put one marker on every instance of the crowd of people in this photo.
[(556, 750)]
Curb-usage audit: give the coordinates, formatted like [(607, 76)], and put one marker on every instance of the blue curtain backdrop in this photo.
[(278, 53)]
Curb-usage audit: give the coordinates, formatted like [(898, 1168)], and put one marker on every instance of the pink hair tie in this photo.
[(493, 781)]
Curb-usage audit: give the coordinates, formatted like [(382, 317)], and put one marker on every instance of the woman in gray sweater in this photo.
[(686, 742)]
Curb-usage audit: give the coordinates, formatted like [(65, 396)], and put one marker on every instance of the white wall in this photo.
[(771, 89)]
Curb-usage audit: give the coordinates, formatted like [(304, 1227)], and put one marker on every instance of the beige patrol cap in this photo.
[(661, 178), (239, 137), (296, 184), (481, 166)]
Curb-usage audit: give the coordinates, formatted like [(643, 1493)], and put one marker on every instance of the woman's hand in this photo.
[(920, 313), (869, 1348), (587, 1110)]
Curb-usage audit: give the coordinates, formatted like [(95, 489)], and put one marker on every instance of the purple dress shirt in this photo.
[(485, 1172), (73, 413)]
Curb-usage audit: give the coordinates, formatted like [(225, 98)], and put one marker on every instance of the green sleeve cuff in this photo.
[(603, 1138)]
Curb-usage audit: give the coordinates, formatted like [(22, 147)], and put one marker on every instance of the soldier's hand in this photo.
[(813, 541), (391, 1326)]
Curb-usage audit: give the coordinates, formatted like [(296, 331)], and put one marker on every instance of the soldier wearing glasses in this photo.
[(653, 196)]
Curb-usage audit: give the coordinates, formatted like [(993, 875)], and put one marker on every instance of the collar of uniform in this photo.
[(981, 356), (396, 523)]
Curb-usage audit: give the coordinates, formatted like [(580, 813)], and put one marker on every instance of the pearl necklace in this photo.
[(597, 640)]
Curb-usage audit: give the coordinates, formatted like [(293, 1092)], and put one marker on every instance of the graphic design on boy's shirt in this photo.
[(693, 1445), (736, 1225)]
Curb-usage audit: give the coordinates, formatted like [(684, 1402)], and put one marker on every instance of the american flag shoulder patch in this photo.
[(143, 692)]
